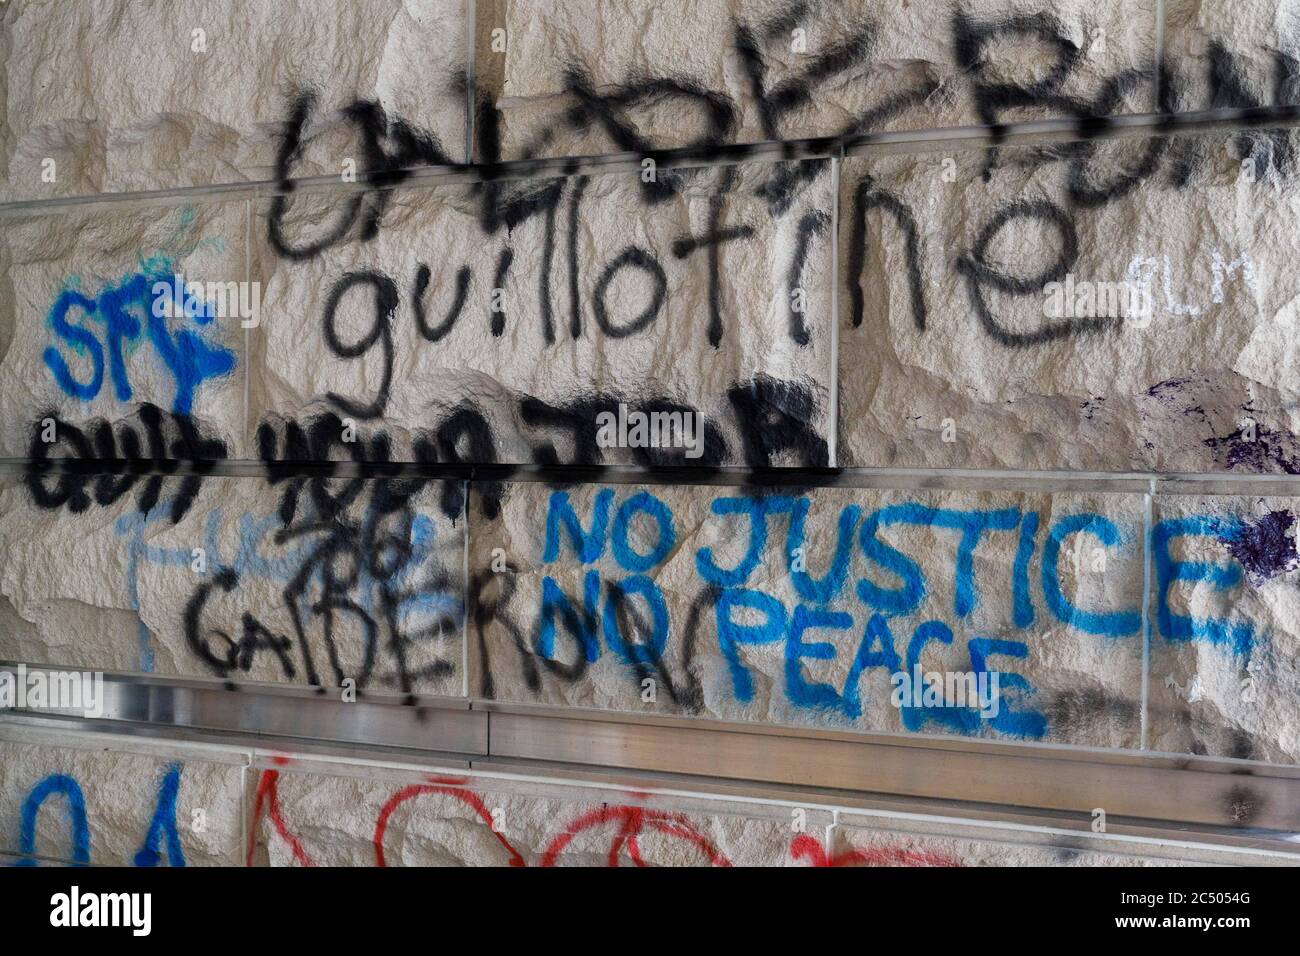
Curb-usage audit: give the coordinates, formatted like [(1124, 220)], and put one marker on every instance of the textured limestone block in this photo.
[(496, 322), (390, 819), (296, 580), (801, 609), (99, 800), (92, 326), (1231, 55), (870, 846), (1173, 352), (1225, 651), (580, 77), (126, 95)]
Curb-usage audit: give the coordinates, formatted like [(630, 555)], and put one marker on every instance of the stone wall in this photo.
[(882, 308)]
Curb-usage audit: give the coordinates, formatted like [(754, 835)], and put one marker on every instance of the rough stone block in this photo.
[(95, 324), (495, 322), (575, 77), (296, 580), (1225, 650), (1117, 306), (394, 819), (100, 800), (126, 96), (800, 609)]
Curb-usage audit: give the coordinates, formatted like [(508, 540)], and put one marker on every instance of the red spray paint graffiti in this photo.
[(810, 850), (467, 797), (268, 794), (632, 822), (630, 825)]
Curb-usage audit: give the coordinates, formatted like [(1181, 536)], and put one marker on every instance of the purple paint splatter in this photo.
[(1269, 452), (1168, 389), (1265, 547)]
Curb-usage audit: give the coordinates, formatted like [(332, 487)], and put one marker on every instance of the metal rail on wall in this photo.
[(939, 479), (1036, 132), (1232, 803)]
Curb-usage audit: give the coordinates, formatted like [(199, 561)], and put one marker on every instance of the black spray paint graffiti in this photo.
[(393, 146), (578, 415), (1096, 178), (356, 539), (982, 273), (362, 565), (362, 559), (770, 422), (147, 452), (866, 198), (546, 200), (390, 148), (492, 594)]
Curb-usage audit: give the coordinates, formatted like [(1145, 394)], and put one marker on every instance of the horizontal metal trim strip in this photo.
[(125, 687), (292, 712), (1148, 759), (255, 688), (1010, 134), (893, 812), (257, 744), (958, 479), (1179, 789), (1018, 779)]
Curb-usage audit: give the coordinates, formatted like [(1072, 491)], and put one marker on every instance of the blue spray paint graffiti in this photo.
[(1108, 624), (163, 824), (810, 632), (61, 785), (1179, 628), (125, 312), (132, 526)]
